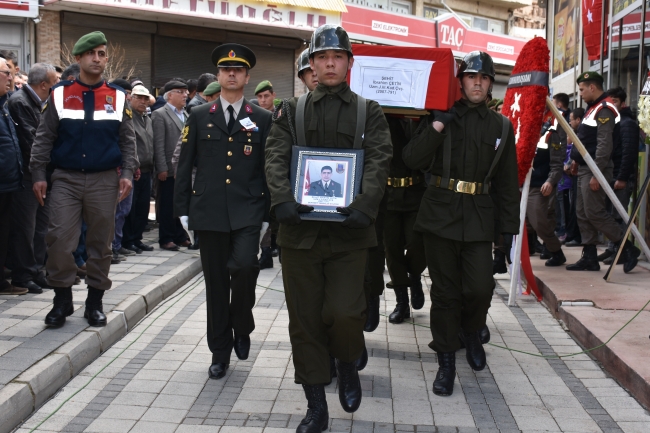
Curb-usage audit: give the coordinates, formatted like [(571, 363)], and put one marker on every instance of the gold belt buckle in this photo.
[(466, 187)]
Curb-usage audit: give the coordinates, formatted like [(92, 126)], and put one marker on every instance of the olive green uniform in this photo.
[(406, 187), (323, 262), (459, 227)]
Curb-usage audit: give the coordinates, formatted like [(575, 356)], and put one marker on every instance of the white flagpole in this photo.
[(516, 259)]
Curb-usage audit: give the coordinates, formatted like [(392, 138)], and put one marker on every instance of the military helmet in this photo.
[(329, 37), (303, 62), (477, 62)]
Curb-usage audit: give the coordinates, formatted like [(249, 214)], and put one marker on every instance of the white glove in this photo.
[(185, 223)]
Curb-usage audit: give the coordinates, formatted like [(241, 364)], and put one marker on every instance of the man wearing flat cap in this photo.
[(596, 134), (168, 124), (86, 133), (228, 203), (265, 95)]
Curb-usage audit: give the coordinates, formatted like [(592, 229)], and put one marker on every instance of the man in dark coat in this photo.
[(227, 203), (326, 187), (29, 219)]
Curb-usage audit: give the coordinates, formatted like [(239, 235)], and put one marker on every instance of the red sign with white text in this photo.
[(631, 29)]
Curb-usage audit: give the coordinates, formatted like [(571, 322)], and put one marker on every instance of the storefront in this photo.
[(370, 25), (162, 39), (15, 29)]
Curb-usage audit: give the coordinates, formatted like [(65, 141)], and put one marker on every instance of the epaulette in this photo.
[(63, 83), (115, 86)]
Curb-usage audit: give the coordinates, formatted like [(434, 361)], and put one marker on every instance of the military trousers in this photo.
[(230, 267), (326, 303), (374, 278), (74, 195), (461, 288), (540, 211), (591, 209), (404, 247)]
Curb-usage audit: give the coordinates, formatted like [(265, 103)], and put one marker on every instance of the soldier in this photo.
[(228, 202), (265, 95), (596, 134), (548, 167), (324, 262), (86, 132), (404, 248), (305, 72), (467, 150)]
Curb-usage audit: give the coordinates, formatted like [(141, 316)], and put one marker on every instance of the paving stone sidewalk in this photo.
[(155, 379), (27, 345)]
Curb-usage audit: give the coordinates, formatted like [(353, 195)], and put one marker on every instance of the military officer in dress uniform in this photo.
[(228, 202), (467, 150), (324, 262), (404, 248), (596, 134)]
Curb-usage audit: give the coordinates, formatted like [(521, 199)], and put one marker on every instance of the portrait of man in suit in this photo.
[(325, 187)]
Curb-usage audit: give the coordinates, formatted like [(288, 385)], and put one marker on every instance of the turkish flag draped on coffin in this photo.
[(592, 13)]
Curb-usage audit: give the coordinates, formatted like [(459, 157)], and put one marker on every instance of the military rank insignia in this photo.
[(129, 113), (556, 146), (213, 108), (604, 120), (186, 131), (248, 109), (44, 107), (248, 149)]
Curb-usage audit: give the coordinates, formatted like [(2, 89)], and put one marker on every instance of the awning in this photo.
[(326, 5)]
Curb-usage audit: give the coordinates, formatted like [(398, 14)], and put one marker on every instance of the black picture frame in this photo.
[(309, 170)]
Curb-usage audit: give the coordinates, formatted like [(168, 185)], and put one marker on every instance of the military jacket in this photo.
[(475, 137), (403, 199), (229, 191), (330, 121), (548, 165)]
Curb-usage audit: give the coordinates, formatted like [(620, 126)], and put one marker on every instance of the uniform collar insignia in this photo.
[(213, 108)]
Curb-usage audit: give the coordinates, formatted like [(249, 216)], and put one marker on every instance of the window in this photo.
[(397, 6), (496, 27), (431, 13), (480, 23), (401, 7)]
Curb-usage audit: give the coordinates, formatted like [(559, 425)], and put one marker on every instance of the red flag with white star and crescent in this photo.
[(592, 12)]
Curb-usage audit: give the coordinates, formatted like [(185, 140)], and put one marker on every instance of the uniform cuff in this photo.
[(127, 174), (38, 176)]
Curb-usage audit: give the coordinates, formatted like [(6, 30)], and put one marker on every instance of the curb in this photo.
[(634, 383), (27, 392)]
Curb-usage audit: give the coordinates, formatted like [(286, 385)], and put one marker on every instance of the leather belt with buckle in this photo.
[(460, 186), (403, 182)]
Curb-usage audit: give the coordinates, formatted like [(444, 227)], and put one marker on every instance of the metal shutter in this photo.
[(137, 47), (277, 66)]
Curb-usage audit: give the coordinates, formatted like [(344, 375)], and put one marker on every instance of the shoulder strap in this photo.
[(361, 122), (505, 131), (300, 120)]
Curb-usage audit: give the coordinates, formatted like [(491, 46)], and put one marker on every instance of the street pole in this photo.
[(597, 174)]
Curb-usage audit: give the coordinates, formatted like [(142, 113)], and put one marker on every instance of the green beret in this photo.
[(264, 85), (88, 42), (212, 88), (590, 76)]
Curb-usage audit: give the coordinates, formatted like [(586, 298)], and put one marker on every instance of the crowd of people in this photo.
[(81, 158)]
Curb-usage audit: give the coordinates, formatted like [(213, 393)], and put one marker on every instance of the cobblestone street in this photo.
[(155, 379)]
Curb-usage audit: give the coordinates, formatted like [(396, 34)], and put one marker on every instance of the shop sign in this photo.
[(395, 29), (19, 8), (631, 29), (262, 13)]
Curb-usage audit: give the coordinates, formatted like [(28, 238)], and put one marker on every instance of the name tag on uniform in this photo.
[(247, 123), (109, 108)]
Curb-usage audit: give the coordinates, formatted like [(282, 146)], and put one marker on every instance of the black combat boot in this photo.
[(363, 361), (62, 307), (474, 351), (349, 385), (499, 263), (266, 259), (545, 254), (605, 255), (94, 308), (332, 369), (444, 383), (317, 418), (417, 295), (588, 261), (484, 334), (557, 259), (401, 310), (629, 256), (372, 314)]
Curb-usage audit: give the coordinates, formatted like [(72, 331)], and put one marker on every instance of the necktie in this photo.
[(231, 121)]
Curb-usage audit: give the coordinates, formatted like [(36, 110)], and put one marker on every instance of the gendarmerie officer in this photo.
[(228, 202), (466, 150), (404, 248), (596, 134), (324, 262), (86, 132)]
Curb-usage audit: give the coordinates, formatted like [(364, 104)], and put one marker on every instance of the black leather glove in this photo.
[(356, 219), (287, 213), (507, 244), (444, 117)]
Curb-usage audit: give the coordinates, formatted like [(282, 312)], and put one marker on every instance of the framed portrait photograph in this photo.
[(326, 178)]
